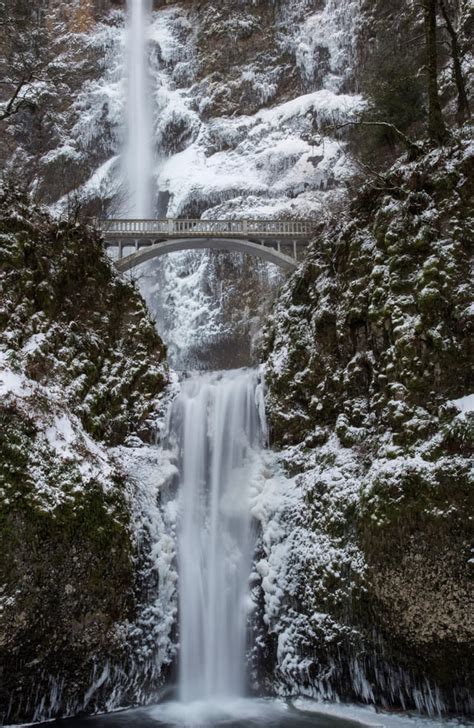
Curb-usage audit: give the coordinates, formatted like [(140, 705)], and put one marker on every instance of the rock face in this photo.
[(368, 362), (81, 366), (239, 103)]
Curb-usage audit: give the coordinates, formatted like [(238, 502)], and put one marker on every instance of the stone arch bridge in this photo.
[(277, 241)]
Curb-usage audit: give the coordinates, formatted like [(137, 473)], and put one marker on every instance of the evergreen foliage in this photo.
[(402, 73)]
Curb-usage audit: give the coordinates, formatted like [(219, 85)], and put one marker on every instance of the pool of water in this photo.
[(232, 714)]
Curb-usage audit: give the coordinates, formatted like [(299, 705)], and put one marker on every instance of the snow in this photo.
[(464, 404), (369, 716), (296, 550), (60, 434), (34, 343), (268, 508), (267, 157), (150, 471), (103, 181), (58, 429), (70, 442), (102, 185), (332, 28), (11, 383)]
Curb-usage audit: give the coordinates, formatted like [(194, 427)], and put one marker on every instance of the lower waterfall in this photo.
[(218, 427)]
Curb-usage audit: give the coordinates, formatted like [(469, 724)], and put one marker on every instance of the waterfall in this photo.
[(216, 424), (139, 138)]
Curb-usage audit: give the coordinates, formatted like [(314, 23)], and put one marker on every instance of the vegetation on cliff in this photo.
[(81, 367), (370, 380), (68, 320), (368, 370)]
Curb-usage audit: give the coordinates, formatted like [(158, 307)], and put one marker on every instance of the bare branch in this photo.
[(15, 103), (413, 148)]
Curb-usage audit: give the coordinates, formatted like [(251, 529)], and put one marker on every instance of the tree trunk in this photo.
[(436, 126), (464, 111)]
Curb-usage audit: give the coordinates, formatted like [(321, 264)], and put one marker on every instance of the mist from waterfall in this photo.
[(217, 425), (138, 162)]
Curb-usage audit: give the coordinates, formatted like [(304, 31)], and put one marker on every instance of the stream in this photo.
[(243, 713)]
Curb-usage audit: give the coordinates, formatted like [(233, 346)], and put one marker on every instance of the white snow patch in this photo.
[(11, 383), (464, 404)]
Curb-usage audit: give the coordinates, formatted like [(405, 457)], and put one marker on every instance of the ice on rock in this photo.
[(325, 44), (277, 162)]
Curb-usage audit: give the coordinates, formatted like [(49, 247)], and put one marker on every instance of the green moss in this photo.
[(66, 559), (89, 316), (380, 376)]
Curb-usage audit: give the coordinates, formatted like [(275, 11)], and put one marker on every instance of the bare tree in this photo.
[(464, 111), (411, 146), (26, 58), (437, 130), (44, 62)]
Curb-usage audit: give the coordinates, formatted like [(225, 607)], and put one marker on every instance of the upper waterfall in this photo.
[(139, 137)]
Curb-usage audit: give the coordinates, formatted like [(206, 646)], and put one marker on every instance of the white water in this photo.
[(139, 139), (216, 422)]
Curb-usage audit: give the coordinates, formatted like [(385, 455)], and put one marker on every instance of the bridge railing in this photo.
[(206, 228)]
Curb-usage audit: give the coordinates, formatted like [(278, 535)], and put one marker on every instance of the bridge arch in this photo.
[(157, 249)]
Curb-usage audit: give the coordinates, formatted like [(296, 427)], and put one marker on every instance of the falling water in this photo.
[(139, 141), (216, 420)]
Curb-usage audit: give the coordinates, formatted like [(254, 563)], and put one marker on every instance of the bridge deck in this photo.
[(276, 241), (168, 229)]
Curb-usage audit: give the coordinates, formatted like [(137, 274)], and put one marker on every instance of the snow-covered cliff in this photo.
[(365, 562), (87, 593)]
